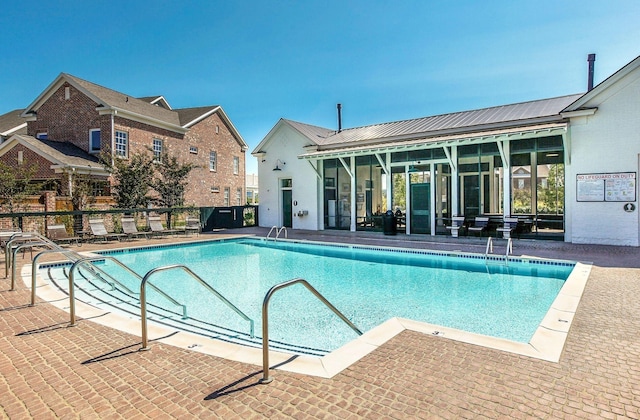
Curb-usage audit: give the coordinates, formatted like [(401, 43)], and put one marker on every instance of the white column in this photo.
[(506, 178)]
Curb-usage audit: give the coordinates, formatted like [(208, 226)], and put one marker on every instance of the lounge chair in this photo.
[(192, 225), (480, 224), (130, 229), (158, 229), (59, 234), (508, 227), (98, 231), (457, 224)]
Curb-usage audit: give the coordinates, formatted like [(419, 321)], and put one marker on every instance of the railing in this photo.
[(489, 250), (72, 305), (143, 299), (278, 232), (20, 241), (265, 320), (71, 256)]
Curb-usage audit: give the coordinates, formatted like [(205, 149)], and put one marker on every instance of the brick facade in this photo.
[(68, 115)]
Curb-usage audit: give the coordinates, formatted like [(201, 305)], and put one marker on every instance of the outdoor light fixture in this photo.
[(278, 163)]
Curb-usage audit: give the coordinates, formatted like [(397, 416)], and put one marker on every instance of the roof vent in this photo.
[(339, 118)]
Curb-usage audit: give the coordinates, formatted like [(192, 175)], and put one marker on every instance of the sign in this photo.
[(615, 187), (629, 207)]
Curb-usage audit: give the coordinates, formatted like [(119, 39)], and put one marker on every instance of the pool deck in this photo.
[(50, 370)]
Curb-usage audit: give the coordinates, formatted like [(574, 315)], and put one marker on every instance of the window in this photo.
[(213, 159), (236, 165), (122, 140), (227, 192), (43, 135), (157, 150), (94, 140), (193, 149), (239, 196)]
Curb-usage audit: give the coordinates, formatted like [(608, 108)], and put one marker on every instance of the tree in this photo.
[(132, 179), (16, 184), (170, 182)]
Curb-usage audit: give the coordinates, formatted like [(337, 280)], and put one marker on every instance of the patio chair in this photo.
[(130, 229), (158, 229), (98, 231), (480, 225), (59, 235), (457, 224), (192, 225)]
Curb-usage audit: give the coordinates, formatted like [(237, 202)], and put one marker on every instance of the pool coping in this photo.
[(547, 343)]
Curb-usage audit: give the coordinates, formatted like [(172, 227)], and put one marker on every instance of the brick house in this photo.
[(72, 121)]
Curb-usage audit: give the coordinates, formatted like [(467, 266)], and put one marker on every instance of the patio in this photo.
[(50, 370)]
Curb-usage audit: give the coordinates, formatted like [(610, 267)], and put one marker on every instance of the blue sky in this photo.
[(266, 60)]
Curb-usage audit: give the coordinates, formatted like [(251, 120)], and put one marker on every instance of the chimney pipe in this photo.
[(591, 59), (339, 118)]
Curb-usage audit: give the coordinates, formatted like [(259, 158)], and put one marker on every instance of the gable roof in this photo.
[(63, 155), (191, 116), (152, 110), (580, 102), (12, 123)]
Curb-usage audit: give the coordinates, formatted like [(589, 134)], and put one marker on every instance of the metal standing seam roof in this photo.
[(513, 115)]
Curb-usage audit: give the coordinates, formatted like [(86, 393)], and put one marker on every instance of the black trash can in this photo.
[(389, 223)]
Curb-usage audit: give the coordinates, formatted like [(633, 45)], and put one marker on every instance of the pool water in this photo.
[(368, 285)]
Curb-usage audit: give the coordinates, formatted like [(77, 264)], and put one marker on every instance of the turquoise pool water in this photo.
[(368, 285)]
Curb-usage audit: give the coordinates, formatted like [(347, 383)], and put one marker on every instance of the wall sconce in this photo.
[(278, 164)]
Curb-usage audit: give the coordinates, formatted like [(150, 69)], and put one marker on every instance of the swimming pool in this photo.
[(369, 286)]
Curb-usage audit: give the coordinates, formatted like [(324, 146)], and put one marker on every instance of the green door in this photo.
[(287, 209), (420, 208)]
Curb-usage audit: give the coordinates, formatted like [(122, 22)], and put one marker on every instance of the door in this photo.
[(420, 208), (287, 209), (471, 198)]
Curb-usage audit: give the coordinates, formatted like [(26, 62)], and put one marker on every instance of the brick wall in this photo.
[(212, 134), (29, 158), (71, 119)]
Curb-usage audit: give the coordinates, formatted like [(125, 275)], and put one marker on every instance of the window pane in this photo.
[(121, 143), (94, 140), (213, 156)]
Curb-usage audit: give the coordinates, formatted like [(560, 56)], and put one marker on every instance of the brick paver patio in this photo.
[(50, 370)]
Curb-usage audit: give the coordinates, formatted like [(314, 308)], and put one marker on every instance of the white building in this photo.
[(565, 166)]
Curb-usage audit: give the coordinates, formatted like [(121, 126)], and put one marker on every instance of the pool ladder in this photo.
[(277, 232), (489, 250)]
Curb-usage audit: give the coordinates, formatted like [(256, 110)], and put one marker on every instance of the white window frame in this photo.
[(91, 148), (121, 144), (213, 161), (239, 196), (157, 150), (227, 194), (236, 165)]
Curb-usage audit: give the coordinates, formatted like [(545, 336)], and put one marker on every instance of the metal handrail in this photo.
[(274, 227), (143, 299), (278, 232), (21, 237), (286, 235), (14, 266), (508, 251), (72, 306), (489, 247), (69, 254), (265, 320)]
